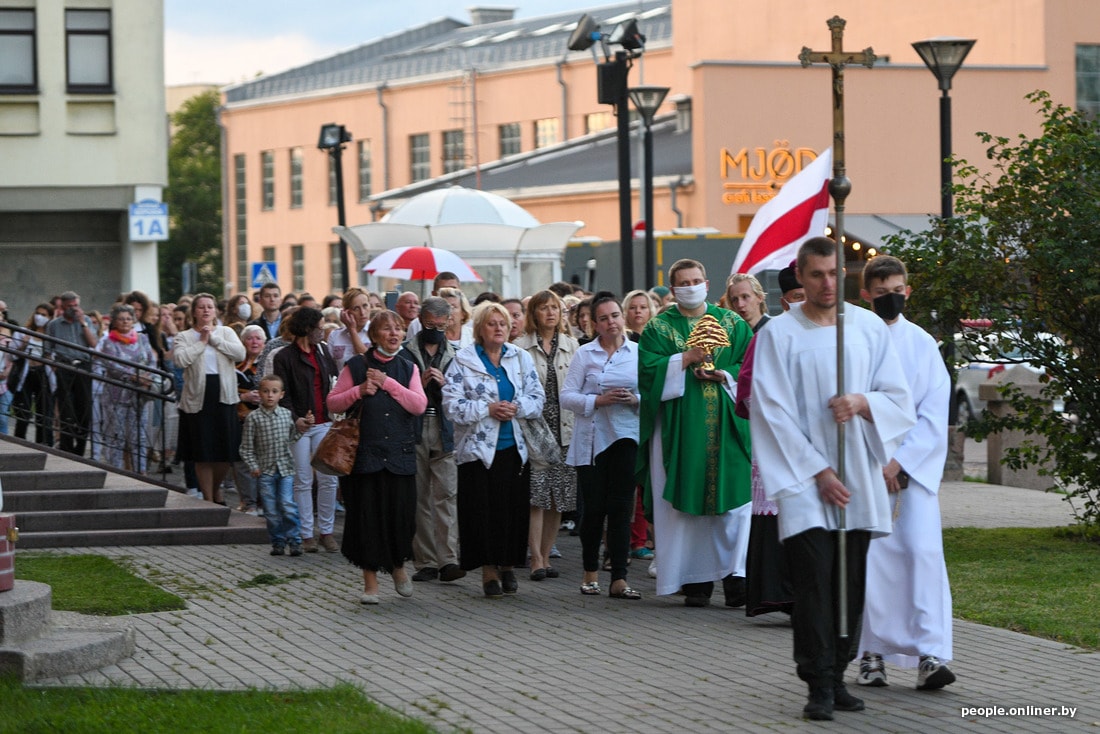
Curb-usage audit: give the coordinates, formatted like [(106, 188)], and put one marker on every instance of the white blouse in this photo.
[(591, 374)]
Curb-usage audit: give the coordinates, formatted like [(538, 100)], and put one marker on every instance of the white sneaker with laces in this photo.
[(933, 674), (872, 671), (652, 570)]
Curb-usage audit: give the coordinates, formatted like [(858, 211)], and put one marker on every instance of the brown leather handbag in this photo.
[(335, 455)]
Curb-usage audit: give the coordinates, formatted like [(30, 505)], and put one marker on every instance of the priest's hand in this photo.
[(692, 357), (847, 407), (832, 491), (715, 376), (890, 473)]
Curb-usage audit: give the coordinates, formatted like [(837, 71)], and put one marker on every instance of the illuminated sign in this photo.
[(755, 176)]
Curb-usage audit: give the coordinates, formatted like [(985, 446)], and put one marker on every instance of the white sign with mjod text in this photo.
[(148, 221)]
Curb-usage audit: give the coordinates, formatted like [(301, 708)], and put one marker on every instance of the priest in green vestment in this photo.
[(695, 454)]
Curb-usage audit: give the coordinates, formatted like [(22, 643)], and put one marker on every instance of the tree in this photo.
[(194, 198), (1022, 251)]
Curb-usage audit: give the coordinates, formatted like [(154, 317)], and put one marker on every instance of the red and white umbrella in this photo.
[(420, 263)]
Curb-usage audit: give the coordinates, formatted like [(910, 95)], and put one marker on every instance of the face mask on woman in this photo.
[(41, 320), (244, 311)]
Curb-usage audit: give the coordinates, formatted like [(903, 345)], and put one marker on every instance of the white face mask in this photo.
[(41, 320), (244, 311), (690, 296)]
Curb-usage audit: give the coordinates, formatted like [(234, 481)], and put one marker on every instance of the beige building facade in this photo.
[(83, 135), (470, 103)]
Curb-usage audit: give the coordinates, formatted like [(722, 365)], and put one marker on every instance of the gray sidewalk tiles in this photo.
[(552, 660)]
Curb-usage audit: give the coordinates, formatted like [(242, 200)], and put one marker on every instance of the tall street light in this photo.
[(332, 139), (612, 89), (648, 100), (943, 56)]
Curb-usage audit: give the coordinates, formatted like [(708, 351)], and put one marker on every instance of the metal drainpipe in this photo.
[(385, 137), (564, 101), (679, 182)]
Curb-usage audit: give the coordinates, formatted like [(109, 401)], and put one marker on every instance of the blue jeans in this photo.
[(5, 406), (280, 511)]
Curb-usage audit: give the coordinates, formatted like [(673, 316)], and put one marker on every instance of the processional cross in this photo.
[(839, 188)]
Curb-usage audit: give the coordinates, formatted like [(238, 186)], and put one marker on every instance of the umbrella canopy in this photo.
[(420, 263), (463, 220)]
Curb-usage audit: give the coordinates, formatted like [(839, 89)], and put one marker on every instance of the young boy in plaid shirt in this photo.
[(265, 448)]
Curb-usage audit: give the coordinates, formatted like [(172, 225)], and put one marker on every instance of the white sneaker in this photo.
[(932, 674), (652, 570), (194, 492), (872, 671)]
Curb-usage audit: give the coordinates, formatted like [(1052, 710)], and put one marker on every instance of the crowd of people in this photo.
[(487, 428)]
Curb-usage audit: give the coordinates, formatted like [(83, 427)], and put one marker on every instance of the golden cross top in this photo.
[(837, 57)]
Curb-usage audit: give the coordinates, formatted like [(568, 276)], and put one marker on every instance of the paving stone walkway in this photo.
[(552, 660)]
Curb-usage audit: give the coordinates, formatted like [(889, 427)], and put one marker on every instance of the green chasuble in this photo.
[(707, 449)]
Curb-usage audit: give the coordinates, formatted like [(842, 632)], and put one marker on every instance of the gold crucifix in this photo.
[(839, 188), (838, 58)]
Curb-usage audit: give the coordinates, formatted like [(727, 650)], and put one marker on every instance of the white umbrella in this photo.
[(420, 263), (462, 220)]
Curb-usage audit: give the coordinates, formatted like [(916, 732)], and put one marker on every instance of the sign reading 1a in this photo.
[(148, 221)]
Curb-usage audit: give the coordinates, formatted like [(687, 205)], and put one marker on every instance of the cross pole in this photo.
[(839, 188)]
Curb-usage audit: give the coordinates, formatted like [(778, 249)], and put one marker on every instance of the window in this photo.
[(420, 150), (596, 121), (546, 132), (336, 282), (364, 170), (295, 178), (298, 267), (240, 210), (88, 51), (510, 143), (454, 151), (1088, 79), (18, 72), (268, 254), (267, 171)]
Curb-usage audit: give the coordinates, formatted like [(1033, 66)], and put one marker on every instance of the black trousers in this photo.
[(608, 490), (820, 653), (34, 404), (74, 410)]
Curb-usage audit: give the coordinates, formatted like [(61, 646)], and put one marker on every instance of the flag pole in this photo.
[(839, 188)]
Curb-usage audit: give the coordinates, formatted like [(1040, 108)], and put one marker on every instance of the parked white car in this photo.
[(979, 357)]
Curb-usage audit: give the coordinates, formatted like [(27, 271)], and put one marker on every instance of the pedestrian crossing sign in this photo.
[(263, 273)]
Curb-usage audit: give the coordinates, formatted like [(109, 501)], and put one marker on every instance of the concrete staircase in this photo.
[(37, 642), (62, 502)]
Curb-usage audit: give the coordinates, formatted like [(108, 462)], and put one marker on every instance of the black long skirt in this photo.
[(494, 509), (380, 519), (768, 586), (214, 433)]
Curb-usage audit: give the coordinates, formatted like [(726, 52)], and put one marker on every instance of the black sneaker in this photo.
[(734, 588), (426, 574), (492, 589), (819, 705), (295, 549), (450, 572), (277, 549), (508, 582), (844, 701)]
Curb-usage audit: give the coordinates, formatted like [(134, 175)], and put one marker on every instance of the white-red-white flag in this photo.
[(798, 212)]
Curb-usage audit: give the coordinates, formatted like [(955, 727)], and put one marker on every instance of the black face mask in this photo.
[(433, 336), (889, 305)]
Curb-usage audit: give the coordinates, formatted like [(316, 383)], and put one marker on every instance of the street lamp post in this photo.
[(943, 56), (332, 140), (648, 100)]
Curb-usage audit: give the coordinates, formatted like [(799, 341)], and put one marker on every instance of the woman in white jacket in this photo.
[(209, 432), (489, 385)]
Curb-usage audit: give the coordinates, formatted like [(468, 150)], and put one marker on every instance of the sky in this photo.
[(226, 41)]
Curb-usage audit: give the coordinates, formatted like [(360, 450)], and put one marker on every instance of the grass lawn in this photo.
[(1039, 581), (78, 583)]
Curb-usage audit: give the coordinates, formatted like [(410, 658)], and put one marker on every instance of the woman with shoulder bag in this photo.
[(386, 393)]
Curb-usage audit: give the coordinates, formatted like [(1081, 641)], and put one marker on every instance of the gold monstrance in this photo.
[(708, 335)]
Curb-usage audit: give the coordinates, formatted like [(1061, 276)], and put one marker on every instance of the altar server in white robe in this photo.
[(795, 413), (907, 610)]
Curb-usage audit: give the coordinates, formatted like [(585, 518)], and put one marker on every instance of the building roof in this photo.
[(447, 45)]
